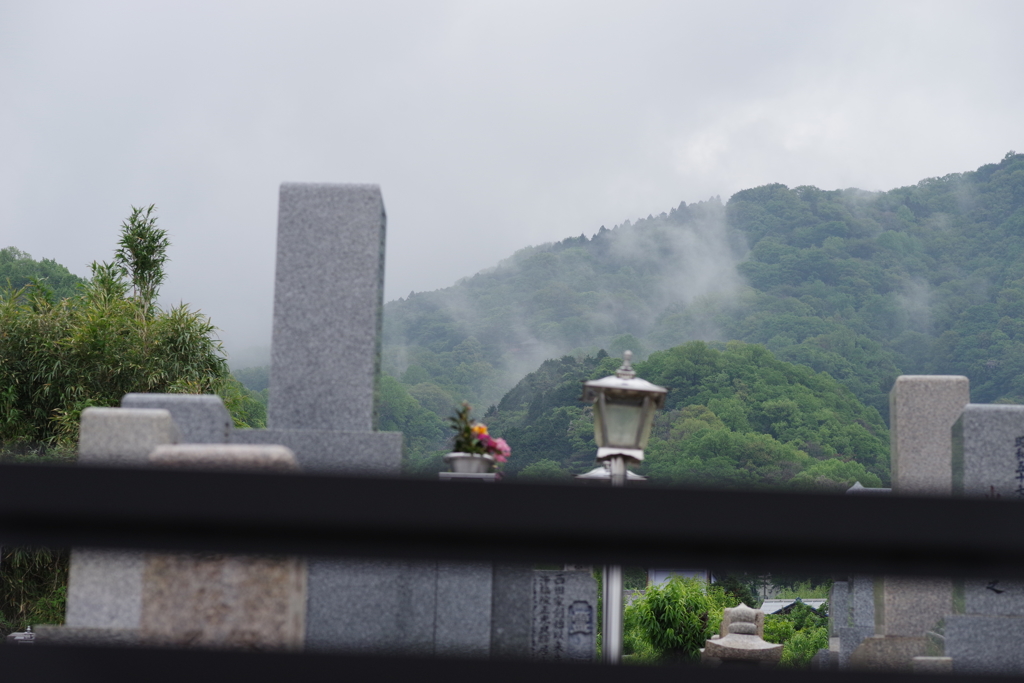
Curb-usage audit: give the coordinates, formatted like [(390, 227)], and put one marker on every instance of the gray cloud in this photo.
[(489, 126)]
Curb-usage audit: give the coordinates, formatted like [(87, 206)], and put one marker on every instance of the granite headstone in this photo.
[(988, 462), (105, 586), (564, 616), (922, 410), (224, 601), (201, 418)]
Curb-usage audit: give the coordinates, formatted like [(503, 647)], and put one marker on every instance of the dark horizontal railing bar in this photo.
[(60, 664), (646, 526)]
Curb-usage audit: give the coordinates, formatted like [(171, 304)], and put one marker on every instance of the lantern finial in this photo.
[(626, 371)]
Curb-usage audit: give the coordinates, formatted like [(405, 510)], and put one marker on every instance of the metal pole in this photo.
[(611, 639)]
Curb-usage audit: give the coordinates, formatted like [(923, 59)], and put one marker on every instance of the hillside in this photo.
[(18, 269), (863, 286), (734, 416)]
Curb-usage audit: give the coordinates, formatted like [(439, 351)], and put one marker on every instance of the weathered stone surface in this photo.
[(741, 643), (988, 452), (862, 601), (838, 607), (92, 637), (512, 612), (912, 605), (123, 437), (229, 601), (727, 619), (334, 452), (932, 665), (371, 606), (328, 298), (981, 644), (988, 462), (462, 626), (104, 589), (564, 616), (824, 660), (224, 601), (104, 586), (850, 638), (200, 418), (922, 410), (888, 653), (224, 457)]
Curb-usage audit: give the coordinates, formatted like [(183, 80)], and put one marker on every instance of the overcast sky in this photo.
[(490, 126)]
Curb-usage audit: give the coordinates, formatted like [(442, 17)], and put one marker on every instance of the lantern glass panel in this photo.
[(622, 420)]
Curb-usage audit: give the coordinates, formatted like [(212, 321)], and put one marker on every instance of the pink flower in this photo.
[(503, 448)]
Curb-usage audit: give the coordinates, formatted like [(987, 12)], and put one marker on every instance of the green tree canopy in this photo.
[(58, 357)]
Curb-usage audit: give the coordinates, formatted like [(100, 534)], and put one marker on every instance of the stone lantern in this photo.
[(624, 408)]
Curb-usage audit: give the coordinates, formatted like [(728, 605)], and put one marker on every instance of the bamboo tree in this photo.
[(141, 254)]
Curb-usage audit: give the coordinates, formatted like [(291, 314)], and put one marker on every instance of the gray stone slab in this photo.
[(932, 665), (922, 410), (217, 600), (988, 452), (912, 606), (104, 589), (334, 452), (372, 606), (994, 597), (564, 616), (985, 645), (462, 626), (200, 418), (988, 462), (105, 586), (512, 612), (123, 437), (862, 601), (47, 634), (222, 456), (839, 607), (328, 298), (850, 638)]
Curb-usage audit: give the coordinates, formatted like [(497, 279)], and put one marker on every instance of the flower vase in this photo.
[(470, 463)]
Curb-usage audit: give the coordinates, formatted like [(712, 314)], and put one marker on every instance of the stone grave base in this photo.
[(985, 645), (888, 653)]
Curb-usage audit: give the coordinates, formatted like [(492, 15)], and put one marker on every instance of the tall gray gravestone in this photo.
[(858, 621), (987, 631), (922, 410), (325, 357)]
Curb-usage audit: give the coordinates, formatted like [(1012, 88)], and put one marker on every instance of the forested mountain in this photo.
[(864, 286), (860, 285), (734, 416), (18, 269)]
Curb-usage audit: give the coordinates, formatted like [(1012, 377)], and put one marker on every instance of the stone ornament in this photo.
[(742, 644)]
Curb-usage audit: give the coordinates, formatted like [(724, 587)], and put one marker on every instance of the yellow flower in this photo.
[(479, 429)]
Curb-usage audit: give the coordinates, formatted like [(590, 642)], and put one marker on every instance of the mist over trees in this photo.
[(863, 286)]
